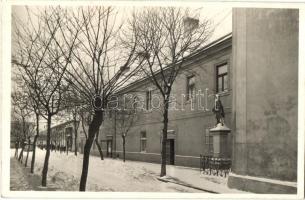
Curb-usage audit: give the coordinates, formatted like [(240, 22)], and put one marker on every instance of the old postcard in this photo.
[(152, 100)]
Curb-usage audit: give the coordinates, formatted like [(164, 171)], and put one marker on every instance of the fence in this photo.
[(215, 166)]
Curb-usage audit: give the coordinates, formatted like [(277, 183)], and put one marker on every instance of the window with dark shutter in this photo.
[(222, 78)]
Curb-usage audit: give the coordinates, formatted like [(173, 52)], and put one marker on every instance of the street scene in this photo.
[(154, 99)]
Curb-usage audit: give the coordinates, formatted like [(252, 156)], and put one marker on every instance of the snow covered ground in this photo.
[(131, 176)]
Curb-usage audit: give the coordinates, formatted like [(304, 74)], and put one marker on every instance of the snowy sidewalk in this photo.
[(22, 180), (107, 175), (191, 177), (131, 176)]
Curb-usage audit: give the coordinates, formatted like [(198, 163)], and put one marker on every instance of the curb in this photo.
[(186, 185)]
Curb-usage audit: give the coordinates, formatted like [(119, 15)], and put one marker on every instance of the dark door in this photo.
[(109, 148), (170, 151)]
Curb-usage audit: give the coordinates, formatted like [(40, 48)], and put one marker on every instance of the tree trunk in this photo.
[(17, 148), (34, 153), (67, 145), (34, 144), (27, 153), (93, 129), (124, 151), (46, 160), (75, 142), (60, 143), (99, 146), (23, 140), (164, 138), (99, 149), (20, 158)]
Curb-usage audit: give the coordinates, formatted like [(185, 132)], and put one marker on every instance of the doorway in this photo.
[(170, 151)]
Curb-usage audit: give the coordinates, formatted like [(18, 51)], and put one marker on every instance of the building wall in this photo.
[(188, 119), (189, 125), (265, 59)]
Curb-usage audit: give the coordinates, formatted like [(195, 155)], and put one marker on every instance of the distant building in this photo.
[(62, 137)]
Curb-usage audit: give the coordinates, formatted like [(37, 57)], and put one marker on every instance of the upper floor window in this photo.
[(148, 100), (221, 78), (190, 87), (135, 103), (143, 141)]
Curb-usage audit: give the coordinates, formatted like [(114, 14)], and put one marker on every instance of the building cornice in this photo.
[(206, 52)]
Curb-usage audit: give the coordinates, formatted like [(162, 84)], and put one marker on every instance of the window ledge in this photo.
[(224, 93)]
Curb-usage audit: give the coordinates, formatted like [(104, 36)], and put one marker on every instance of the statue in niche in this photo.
[(218, 110)]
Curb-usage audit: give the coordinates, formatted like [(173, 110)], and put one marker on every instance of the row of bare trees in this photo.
[(84, 55)]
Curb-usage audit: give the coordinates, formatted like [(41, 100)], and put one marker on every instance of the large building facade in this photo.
[(205, 74)]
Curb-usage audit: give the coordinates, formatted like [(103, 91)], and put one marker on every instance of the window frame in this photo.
[(143, 139), (222, 76), (188, 78)]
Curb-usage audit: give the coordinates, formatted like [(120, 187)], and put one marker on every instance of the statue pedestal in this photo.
[(220, 141)]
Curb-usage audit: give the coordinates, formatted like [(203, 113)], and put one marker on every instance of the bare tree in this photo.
[(166, 36), (98, 67), (35, 106), (125, 117), (21, 114), (43, 54), (75, 110), (16, 134), (75, 117), (30, 134)]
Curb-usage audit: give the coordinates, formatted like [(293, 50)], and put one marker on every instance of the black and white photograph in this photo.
[(186, 99)]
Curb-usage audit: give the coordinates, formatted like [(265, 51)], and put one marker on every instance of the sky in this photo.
[(220, 16)]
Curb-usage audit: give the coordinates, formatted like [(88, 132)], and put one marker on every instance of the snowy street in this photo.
[(112, 175)]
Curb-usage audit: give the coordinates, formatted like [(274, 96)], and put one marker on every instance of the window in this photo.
[(190, 87), (135, 103), (143, 141), (222, 78), (148, 100), (209, 141)]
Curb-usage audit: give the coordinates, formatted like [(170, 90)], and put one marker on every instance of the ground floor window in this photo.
[(209, 141), (143, 141)]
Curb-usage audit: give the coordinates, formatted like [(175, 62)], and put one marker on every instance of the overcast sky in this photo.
[(220, 16)]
